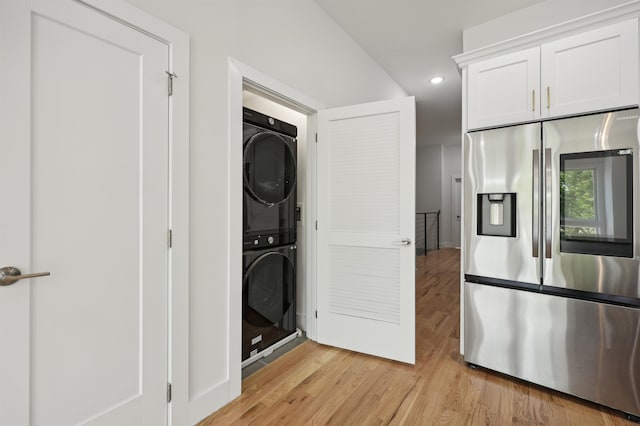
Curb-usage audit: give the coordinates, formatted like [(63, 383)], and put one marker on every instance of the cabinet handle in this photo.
[(533, 100), (548, 97)]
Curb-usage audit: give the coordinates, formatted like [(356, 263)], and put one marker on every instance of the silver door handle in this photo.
[(547, 204), (10, 275), (403, 242), (535, 231)]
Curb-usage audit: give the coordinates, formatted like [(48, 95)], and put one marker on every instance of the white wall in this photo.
[(428, 191), (536, 17), (435, 165), (428, 178), (451, 167), (292, 41)]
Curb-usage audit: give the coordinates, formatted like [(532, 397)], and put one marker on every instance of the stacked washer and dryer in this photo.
[(269, 237)]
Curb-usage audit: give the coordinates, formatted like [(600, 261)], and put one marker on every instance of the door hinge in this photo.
[(316, 225), (316, 138), (170, 238), (316, 313), (171, 76), (168, 392)]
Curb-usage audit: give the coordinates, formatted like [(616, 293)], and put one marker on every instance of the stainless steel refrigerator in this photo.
[(551, 264)]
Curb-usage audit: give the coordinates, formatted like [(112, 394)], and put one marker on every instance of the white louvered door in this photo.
[(366, 227)]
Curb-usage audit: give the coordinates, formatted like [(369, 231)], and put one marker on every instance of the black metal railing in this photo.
[(427, 232)]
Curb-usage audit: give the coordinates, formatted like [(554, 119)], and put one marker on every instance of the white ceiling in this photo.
[(414, 40)]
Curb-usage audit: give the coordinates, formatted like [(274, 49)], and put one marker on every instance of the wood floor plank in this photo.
[(320, 385)]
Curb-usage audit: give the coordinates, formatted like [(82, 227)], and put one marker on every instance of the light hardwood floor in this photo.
[(316, 384)]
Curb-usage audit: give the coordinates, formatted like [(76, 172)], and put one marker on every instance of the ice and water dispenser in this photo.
[(497, 214)]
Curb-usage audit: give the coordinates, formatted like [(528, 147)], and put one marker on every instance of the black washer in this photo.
[(268, 298)]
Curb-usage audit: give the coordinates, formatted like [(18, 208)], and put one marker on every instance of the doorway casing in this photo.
[(242, 76)]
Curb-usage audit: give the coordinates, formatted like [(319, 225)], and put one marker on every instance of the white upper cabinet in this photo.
[(592, 71), (504, 89)]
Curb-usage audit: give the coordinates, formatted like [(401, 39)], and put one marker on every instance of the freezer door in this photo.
[(575, 346), (501, 196), (591, 203)]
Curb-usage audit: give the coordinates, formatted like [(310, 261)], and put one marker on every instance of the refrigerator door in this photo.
[(583, 348), (590, 216), (501, 171)]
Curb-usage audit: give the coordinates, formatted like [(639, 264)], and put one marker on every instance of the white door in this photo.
[(456, 194), (84, 184), (366, 227)]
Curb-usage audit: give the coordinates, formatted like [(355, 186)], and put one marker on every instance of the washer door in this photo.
[(269, 168), (267, 289)]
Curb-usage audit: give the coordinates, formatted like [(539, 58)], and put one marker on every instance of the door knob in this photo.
[(10, 275), (404, 242)]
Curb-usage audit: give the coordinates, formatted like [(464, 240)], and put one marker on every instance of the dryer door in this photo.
[(269, 168)]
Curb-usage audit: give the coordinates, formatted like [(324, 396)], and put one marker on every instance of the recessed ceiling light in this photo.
[(437, 80)]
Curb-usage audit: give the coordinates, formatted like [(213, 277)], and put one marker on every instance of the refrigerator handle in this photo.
[(547, 205), (535, 226)]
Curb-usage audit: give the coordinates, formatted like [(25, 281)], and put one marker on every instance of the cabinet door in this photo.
[(504, 90), (592, 71)]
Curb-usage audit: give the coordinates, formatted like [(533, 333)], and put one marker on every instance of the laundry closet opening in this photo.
[(274, 250), (348, 171)]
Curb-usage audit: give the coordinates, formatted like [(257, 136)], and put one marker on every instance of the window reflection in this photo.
[(578, 202), (596, 203)]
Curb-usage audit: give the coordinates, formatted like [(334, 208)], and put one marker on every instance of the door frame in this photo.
[(178, 183), (241, 75)]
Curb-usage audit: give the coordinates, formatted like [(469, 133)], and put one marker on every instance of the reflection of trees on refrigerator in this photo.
[(577, 201)]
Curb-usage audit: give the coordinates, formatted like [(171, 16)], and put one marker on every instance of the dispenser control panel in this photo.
[(497, 214)]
